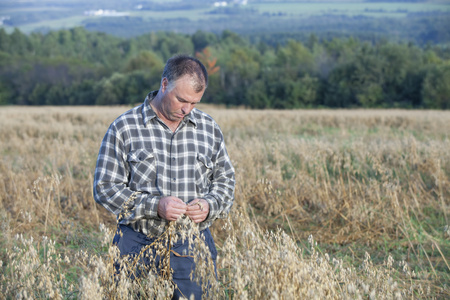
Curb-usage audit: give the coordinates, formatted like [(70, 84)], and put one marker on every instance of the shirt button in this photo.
[(174, 179), (173, 158)]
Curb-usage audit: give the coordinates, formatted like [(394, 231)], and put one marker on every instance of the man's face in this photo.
[(180, 100)]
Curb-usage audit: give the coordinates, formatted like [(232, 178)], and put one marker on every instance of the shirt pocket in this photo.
[(142, 164), (203, 173)]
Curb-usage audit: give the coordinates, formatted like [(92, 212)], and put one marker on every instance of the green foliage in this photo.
[(436, 87), (145, 60), (201, 39), (295, 59), (78, 67)]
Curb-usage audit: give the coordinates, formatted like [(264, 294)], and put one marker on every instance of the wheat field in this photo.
[(330, 204)]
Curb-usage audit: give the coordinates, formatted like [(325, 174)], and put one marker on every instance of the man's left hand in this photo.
[(197, 210)]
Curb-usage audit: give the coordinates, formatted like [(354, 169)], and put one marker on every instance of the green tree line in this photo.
[(79, 67)]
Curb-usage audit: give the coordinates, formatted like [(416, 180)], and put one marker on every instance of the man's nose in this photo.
[(186, 108)]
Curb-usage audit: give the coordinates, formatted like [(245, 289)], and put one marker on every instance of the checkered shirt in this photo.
[(141, 160)]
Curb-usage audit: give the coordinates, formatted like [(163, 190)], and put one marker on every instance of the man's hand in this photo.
[(171, 208), (198, 210)]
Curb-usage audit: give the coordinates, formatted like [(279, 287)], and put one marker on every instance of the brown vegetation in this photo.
[(329, 203)]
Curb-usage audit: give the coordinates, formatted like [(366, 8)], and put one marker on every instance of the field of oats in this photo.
[(337, 204)]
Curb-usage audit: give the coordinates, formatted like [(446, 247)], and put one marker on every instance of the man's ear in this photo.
[(164, 84)]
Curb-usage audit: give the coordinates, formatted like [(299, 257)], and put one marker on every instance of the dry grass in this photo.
[(344, 204)]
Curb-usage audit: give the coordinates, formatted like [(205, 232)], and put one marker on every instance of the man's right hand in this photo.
[(171, 208)]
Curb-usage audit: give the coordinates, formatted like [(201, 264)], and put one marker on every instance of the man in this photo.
[(164, 161)]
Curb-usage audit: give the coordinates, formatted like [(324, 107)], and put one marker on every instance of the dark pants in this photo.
[(131, 243)]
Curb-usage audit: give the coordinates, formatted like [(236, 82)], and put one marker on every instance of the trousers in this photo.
[(131, 242)]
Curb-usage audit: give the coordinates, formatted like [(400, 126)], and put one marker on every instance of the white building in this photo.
[(225, 3), (220, 4), (104, 13)]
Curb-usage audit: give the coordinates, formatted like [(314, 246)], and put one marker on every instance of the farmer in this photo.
[(164, 161)]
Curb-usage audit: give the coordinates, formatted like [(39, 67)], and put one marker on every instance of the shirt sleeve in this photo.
[(221, 192), (111, 188)]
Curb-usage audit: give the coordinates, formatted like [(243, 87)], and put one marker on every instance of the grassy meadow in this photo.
[(337, 204)]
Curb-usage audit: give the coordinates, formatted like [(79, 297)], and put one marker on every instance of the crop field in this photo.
[(337, 204), (67, 22)]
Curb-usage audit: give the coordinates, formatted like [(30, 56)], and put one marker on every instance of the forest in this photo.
[(80, 67)]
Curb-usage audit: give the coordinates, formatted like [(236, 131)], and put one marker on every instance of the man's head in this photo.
[(183, 65), (183, 84)]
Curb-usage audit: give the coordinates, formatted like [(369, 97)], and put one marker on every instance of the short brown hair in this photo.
[(180, 65)]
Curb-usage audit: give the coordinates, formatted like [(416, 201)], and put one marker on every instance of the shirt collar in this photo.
[(148, 113)]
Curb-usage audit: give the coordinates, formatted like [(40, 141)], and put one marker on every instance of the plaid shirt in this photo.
[(141, 160)]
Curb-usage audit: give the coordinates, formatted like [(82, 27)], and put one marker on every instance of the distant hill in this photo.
[(419, 21)]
